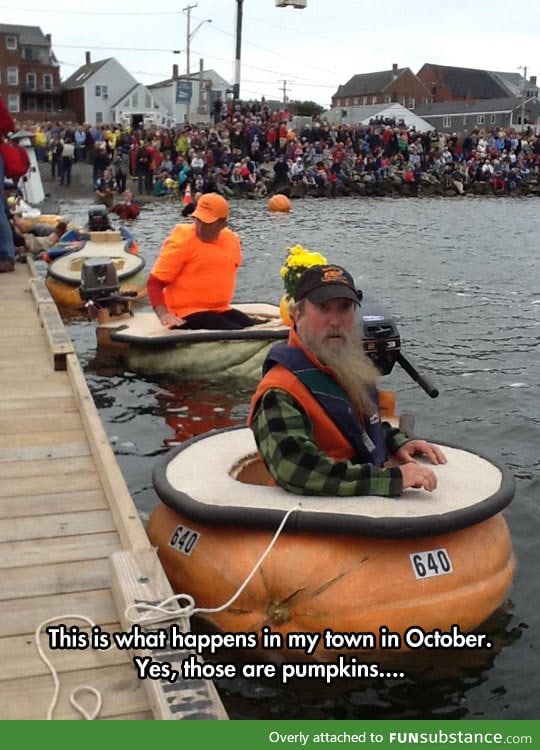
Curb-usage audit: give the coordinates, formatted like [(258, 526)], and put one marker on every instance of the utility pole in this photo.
[(285, 89), (238, 52), (523, 95), (188, 10)]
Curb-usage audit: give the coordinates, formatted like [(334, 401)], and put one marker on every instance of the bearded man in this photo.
[(315, 414)]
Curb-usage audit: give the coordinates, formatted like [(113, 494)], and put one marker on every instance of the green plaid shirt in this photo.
[(286, 441)]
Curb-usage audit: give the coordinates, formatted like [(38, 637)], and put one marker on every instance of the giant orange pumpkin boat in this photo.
[(346, 564)]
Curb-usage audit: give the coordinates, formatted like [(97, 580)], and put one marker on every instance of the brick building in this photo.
[(398, 85), (29, 72), (450, 84)]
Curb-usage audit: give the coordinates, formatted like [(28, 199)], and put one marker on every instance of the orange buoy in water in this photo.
[(187, 195), (279, 202)]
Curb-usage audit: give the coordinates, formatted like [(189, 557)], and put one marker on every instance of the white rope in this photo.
[(72, 699), (155, 613), (159, 613)]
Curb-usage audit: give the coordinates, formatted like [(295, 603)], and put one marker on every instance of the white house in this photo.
[(190, 98), (139, 106), (105, 92)]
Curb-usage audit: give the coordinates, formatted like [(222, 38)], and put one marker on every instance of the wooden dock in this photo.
[(71, 541)]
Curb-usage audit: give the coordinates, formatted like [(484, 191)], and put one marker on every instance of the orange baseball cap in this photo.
[(211, 207)]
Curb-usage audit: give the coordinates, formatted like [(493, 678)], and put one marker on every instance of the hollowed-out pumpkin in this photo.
[(313, 581)]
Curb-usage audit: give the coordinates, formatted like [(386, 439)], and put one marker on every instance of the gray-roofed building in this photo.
[(195, 94), (488, 114), (139, 106), (93, 88), (399, 85), (30, 79)]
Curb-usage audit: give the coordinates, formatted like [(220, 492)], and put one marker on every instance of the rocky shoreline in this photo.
[(395, 187)]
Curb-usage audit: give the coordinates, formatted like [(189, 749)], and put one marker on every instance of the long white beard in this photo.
[(354, 370)]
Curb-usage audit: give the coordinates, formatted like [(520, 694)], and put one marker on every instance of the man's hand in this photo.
[(420, 447), (169, 320), (418, 476)]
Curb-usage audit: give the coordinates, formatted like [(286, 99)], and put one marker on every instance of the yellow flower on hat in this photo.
[(298, 260)]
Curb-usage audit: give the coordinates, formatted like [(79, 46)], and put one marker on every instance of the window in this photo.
[(446, 122), (412, 102), (32, 104), (148, 101), (464, 119), (374, 100), (13, 102), (97, 91), (12, 77), (356, 100), (135, 100), (99, 118), (49, 105), (388, 100), (104, 92), (31, 81), (47, 82), (364, 100), (493, 119), (11, 42), (402, 100), (27, 53), (481, 119)]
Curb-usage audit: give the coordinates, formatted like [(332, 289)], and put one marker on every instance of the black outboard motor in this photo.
[(99, 280), (380, 334), (98, 219), (382, 342), (100, 288)]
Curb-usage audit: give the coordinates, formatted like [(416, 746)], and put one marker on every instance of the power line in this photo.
[(89, 13), (128, 49)]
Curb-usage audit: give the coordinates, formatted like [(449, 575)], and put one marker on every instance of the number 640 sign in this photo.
[(433, 562)]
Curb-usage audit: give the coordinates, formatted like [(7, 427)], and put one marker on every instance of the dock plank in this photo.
[(61, 502), (60, 549), (30, 697), (42, 389), (23, 616), (45, 580), (38, 452), (45, 420), (52, 466), (63, 524), (31, 404), (21, 651), (45, 484), (31, 439)]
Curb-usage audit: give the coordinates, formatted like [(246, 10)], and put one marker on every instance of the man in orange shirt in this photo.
[(193, 279)]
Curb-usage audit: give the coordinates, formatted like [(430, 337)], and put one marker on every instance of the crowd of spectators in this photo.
[(252, 152)]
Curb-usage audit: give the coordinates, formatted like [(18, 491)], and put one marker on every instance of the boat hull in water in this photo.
[(354, 565), (146, 346), (63, 278)]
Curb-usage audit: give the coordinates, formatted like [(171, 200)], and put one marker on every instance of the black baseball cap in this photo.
[(321, 283)]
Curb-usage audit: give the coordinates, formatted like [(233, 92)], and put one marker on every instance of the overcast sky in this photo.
[(310, 52)]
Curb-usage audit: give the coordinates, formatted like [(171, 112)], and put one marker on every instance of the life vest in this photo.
[(339, 431)]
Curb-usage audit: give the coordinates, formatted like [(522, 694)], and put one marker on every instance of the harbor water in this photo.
[(461, 277)]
